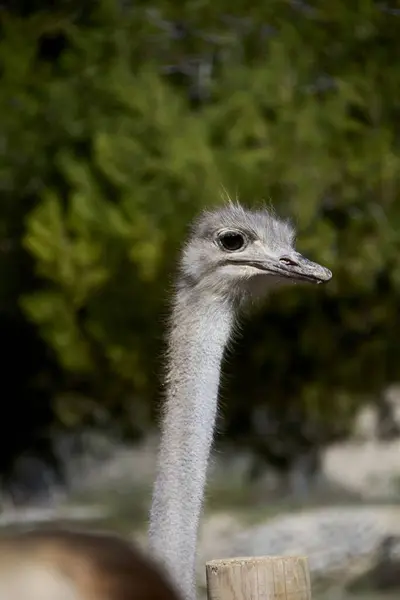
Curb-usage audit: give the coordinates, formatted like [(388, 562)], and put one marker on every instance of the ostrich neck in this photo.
[(199, 334)]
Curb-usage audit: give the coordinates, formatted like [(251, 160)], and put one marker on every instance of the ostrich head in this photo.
[(237, 254)]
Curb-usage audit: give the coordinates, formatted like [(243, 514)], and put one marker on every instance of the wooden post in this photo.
[(259, 578)]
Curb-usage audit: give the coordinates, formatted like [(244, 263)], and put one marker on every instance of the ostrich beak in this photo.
[(298, 268)]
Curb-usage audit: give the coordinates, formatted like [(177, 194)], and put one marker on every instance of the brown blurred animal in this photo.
[(62, 564)]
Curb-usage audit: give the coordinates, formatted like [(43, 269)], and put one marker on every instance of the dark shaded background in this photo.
[(118, 122)]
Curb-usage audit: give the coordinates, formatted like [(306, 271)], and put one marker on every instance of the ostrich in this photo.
[(233, 255)]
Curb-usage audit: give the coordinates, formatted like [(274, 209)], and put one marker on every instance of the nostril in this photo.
[(288, 261)]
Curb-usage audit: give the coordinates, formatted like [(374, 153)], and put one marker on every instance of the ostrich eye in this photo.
[(231, 241)]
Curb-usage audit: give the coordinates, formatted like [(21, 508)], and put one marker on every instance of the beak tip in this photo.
[(327, 275)]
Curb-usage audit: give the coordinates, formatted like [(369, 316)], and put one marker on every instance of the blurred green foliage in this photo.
[(118, 124)]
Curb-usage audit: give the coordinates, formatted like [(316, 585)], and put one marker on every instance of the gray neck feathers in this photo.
[(200, 330)]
